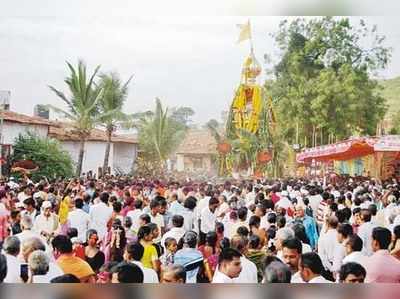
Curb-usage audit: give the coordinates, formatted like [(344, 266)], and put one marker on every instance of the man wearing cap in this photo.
[(285, 203), (12, 184), (189, 257), (47, 222)]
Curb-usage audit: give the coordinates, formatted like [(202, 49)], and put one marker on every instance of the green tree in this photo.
[(182, 116), (82, 105), (46, 153), (395, 123), (159, 134), (110, 107), (212, 123), (322, 84)]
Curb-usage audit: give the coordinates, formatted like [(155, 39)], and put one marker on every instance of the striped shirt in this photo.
[(321, 211)]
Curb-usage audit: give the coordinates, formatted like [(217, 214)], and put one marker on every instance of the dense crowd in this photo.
[(133, 230)]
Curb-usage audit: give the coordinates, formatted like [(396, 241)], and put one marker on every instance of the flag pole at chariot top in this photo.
[(245, 34)]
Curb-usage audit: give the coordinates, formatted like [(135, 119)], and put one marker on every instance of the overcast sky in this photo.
[(185, 61)]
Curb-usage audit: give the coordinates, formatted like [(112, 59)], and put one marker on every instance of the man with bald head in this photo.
[(33, 244), (173, 274), (309, 224)]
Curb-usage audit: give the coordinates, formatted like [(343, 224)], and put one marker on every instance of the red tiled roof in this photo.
[(61, 130), (198, 142), (23, 119), (65, 132)]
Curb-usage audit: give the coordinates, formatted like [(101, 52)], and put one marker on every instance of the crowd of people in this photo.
[(135, 230)]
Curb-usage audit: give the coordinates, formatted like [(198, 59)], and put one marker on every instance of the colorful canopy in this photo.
[(345, 150), (389, 143)]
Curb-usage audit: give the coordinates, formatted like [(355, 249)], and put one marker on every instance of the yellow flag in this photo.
[(245, 32)]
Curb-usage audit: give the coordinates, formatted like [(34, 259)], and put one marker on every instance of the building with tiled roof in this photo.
[(123, 149), (66, 132), (11, 116), (196, 152)]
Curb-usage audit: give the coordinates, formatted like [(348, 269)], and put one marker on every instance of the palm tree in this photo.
[(82, 105), (110, 106), (158, 134)]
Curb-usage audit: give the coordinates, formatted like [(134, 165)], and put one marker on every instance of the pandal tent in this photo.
[(341, 151), (370, 156)]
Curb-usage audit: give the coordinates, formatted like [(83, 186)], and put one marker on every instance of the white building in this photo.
[(14, 124), (123, 151)]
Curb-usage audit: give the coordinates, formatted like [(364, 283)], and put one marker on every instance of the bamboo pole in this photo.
[(313, 136), (322, 138)]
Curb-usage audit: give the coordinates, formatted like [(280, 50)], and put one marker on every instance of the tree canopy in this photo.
[(323, 83), (160, 132), (83, 109), (46, 153)]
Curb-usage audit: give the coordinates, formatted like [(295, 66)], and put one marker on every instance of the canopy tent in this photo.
[(389, 143), (341, 151)]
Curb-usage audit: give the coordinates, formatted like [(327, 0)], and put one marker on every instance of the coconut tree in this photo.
[(159, 134), (82, 104), (110, 107)]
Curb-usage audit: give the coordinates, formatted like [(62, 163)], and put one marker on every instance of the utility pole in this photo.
[(4, 105)]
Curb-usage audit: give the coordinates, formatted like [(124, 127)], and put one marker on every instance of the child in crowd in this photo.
[(171, 247)]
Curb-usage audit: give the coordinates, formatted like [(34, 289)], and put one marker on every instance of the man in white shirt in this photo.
[(29, 208), (24, 194), (328, 242), (291, 253), (135, 214), (227, 190), (242, 221), (11, 247), (27, 233), (47, 222), (133, 254), (157, 218), (250, 195), (282, 234), (190, 222), (176, 232), (284, 201), (249, 269), (223, 208), (79, 219), (12, 184), (365, 231), (99, 215), (343, 233), (229, 266), (208, 217), (200, 206), (311, 268), (203, 202), (354, 247), (314, 200), (38, 263), (261, 212), (33, 244)]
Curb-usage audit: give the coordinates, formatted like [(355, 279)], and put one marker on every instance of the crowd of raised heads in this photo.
[(133, 230)]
